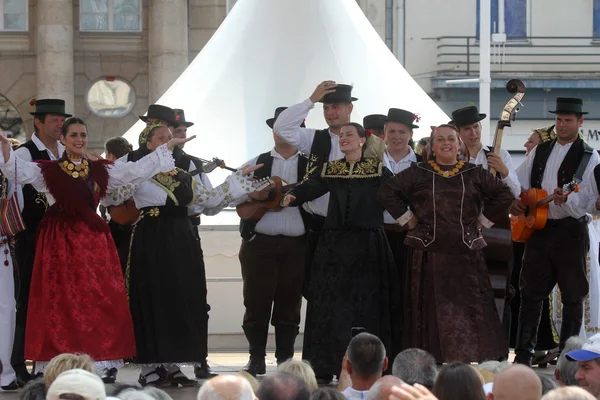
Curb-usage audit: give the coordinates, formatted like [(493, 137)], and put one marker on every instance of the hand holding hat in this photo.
[(322, 89)]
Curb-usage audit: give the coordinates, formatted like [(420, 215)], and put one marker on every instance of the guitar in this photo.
[(256, 209), (537, 203)]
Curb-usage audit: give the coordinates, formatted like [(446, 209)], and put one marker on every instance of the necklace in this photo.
[(76, 171), (446, 174)]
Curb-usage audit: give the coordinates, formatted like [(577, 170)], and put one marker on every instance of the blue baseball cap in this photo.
[(589, 351)]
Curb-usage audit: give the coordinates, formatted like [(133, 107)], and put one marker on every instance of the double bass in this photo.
[(499, 250)]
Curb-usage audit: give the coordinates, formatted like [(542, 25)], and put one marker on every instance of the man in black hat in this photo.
[(557, 253), (272, 260), (322, 145), (48, 119), (374, 125), (399, 155), (467, 120), (190, 163)]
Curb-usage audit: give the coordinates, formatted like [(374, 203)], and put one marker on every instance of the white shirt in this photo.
[(24, 154), (396, 167), (287, 126), (511, 180), (575, 206), (287, 222), (353, 394)]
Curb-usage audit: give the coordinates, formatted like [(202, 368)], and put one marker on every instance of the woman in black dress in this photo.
[(353, 269)]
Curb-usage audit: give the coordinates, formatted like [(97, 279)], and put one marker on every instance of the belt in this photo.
[(395, 227), (164, 211), (567, 221), (195, 220)]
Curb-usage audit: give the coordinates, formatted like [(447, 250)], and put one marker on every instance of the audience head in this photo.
[(77, 384), (282, 386), (34, 390), (382, 388), (147, 393), (327, 394), (64, 362), (494, 367), (588, 361), (568, 393), (302, 370), (548, 383), (366, 357), (565, 370), (226, 387), (415, 366), (517, 383), (252, 380), (458, 381)]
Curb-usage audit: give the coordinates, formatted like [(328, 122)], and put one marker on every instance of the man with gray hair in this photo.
[(226, 387), (282, 386), (415, 366), (565, 370), (382, 389)]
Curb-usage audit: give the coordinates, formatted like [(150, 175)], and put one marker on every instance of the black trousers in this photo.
[(196, 223), (555, 255), (402, 259), (24, 256), (312, 239), (121, 235), (273, 272)]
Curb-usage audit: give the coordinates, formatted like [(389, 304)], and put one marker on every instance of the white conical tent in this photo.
[(270, 53)]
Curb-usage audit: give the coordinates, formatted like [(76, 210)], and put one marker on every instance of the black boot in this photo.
[(568, 328), (285, 338), (257, 340), (203, 371), (526, 339), (23, 376)]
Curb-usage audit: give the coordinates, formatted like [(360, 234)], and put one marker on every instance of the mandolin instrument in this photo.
[(256, 209)]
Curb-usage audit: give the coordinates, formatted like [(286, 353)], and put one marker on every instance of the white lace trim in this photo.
[(40, 366), (165, 157)]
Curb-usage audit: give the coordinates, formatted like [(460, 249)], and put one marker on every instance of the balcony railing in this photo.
[(536, 55)]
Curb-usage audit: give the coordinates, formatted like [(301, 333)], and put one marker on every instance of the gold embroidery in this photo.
[(311, 167), (369, 168), (40, 198), (167, 183)]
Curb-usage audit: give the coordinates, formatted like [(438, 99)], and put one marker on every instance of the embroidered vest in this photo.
[(247, 226), (568, 167), (35, 203), (319, 152)]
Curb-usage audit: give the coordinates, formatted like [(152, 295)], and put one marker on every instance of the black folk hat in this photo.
[(180, 118), (278, 110), (342, 94), (404, 117), (162, 113), (467, 116), (49, 106), (374, 121), (568, 105)]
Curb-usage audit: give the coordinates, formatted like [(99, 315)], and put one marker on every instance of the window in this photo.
[(110, 15), (515, 18), (14, 15), (110, 98), (596, 13)]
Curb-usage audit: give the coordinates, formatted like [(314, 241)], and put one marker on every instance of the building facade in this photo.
[(109, 59)]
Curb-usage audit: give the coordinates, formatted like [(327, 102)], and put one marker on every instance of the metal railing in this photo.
[(540, 55)]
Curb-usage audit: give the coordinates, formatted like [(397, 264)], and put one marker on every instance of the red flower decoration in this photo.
[(32, 102), (177, 117), (416, 117), (368, 132)]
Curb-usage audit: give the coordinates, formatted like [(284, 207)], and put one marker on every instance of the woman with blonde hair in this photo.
[(302, 370)]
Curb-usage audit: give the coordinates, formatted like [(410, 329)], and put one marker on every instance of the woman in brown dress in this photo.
[(449, 302)]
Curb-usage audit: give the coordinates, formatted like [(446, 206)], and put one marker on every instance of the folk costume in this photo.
[(165, 275), (321, 145), (353, 275), (557, 253), (77, 301), (272, 260), (33, 208), (450, 311)]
